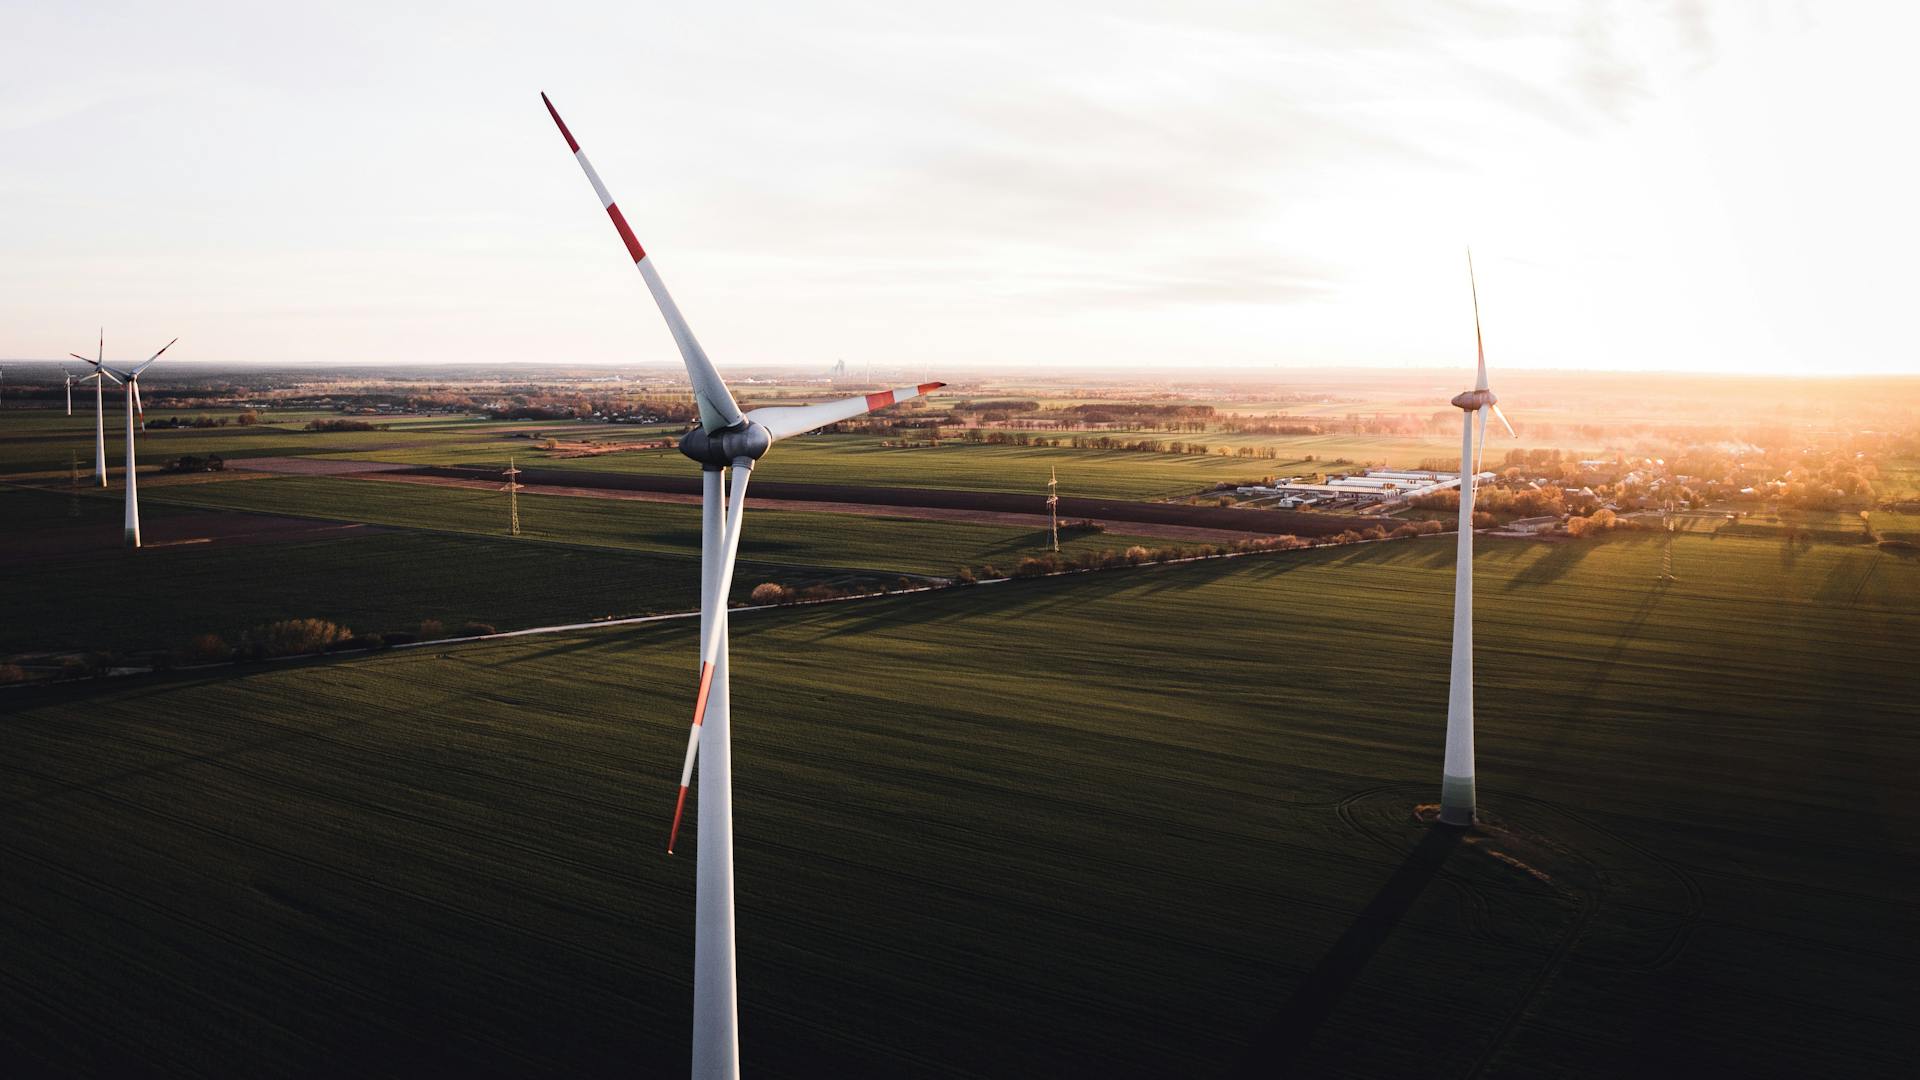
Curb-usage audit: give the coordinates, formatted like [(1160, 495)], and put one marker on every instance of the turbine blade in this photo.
[(1480, 447), (1511, 434), (785, 420), (155, 356), (717, 408), (137, 407), (1478, 344), (714, 604)]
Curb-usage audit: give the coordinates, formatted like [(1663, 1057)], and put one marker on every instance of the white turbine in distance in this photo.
[(724, 440), (99, 379), (131, 378), (1456, 781)]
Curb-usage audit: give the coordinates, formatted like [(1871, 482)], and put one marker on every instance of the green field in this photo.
[(40, 441), (160, 597), (1112, 474), (446, 558), (35, 440), (1126, 824), (785, 537)]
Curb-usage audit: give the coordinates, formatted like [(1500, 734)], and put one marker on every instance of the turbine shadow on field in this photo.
[(878, 613), (1036, 541), (1552, 566), (587, 642), (1418, 552), (1276, 1050), (1603, 667)]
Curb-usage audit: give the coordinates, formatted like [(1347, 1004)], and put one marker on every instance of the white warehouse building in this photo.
[(1371, 486)]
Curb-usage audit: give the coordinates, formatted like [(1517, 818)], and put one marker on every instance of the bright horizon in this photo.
[(1720, 188)]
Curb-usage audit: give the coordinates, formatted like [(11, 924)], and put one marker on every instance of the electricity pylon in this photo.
[(1053, 508), (1666, 552), (513, 499)]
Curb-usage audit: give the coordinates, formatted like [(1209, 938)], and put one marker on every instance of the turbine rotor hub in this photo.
[(1474, 399), (746, 440)]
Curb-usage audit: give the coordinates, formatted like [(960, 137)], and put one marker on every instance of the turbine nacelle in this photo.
[(747, 441), (1471, 400)]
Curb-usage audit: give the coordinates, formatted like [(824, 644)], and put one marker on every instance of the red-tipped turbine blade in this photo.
[(717, 408), (714, 630), (785, 421), (679, 807), (693, 750), (155, 356)]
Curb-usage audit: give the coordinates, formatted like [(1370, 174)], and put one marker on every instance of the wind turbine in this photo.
[(131, 378), (68, 376), (1456, 780), (724, 440), (99, 379)]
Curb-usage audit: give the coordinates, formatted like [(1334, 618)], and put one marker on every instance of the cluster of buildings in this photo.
[(1365, 488)]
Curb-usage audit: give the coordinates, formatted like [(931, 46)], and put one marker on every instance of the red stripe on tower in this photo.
[(571, 145), (880, 400), (620, 222), (930, 387)]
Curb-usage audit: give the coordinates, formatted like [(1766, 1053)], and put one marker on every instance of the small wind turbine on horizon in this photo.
[(1456, 781), (98, 377), (726, 442), (131, 379)]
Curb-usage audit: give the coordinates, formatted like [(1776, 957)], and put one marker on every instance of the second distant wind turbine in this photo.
[(98, 378), (131, 378)]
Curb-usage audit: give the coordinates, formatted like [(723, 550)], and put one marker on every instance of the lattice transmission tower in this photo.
[(1666, 552), (513, 498), (1053, 507)]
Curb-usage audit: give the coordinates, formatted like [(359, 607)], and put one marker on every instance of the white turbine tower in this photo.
[(68, 376), (99, 379), (1456, 781), (725, 439), (132, 380)]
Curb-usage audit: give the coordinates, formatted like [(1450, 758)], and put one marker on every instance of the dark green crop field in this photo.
[(1140, 823), (859, 459), (440, 553), (795, 537), (372, 581), (368, 581), (39, 441)]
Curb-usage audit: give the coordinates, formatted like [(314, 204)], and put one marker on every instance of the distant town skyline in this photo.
[(1693, 186)]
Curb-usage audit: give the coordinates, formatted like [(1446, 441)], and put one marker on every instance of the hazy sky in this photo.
[(1688, 185)]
